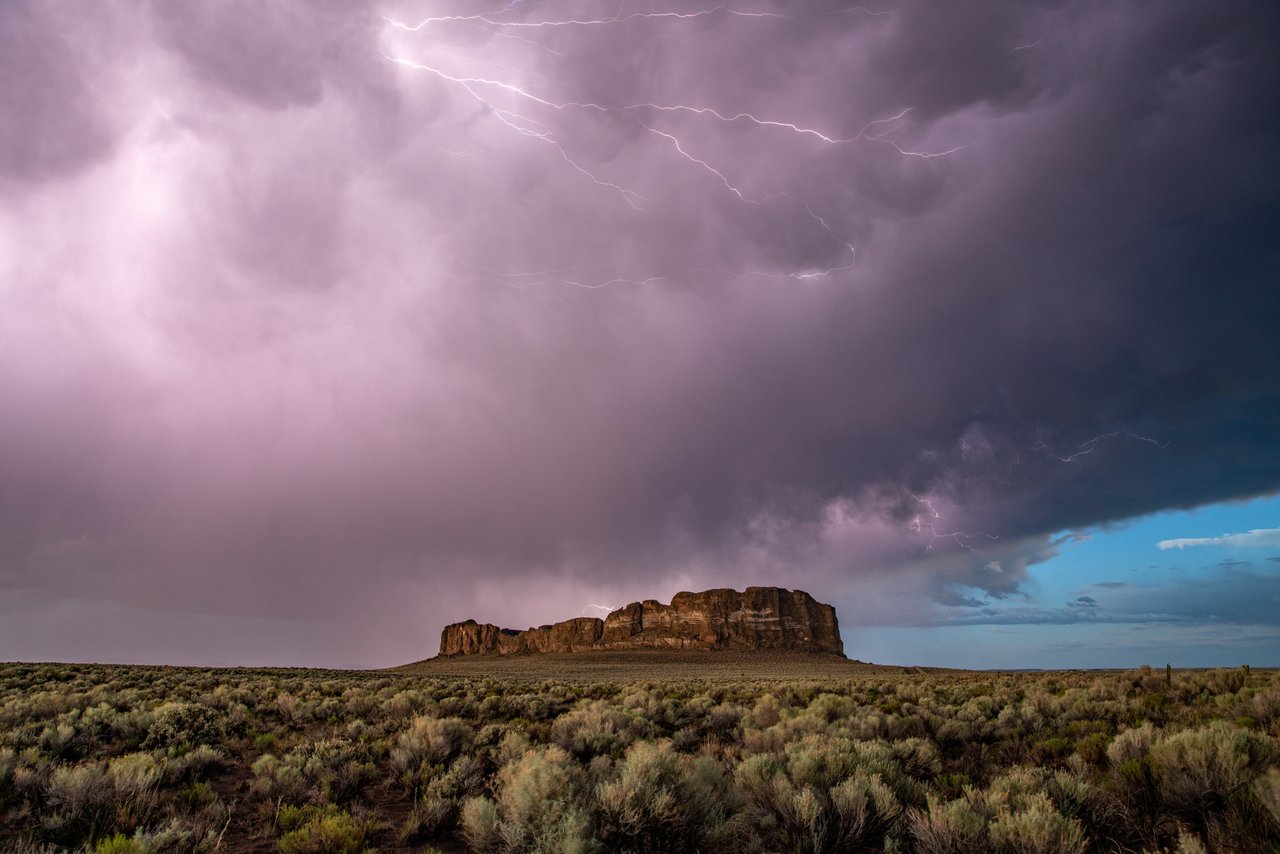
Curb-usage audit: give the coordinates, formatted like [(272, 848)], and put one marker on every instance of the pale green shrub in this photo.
[(662, 800), (482, 825), (766, 712), (948, 827), (465, 777), (194, 764), (597, 728), (825, 794), (78, 800), (1265, 707), (335, 768), (723, 720), (277, 780), (1035, 827), (101, 797), (327, 832), (172, 837), (61, 741), (1201, 768), (175, 724), (539, 806), (429, 742), (865, 812), (135, 778), (513, 745), (327, 769)]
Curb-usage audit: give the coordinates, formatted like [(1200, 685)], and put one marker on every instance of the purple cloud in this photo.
[(310, 320)]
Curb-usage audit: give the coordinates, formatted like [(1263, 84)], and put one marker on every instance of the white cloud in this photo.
[(1254, 538)]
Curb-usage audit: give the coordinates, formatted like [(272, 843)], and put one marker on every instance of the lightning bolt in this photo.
[(960, 538), (522, 125), (587, 22), (484, 88), (1089, 446)]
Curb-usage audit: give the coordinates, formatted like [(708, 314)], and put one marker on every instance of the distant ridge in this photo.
[(759, 618)]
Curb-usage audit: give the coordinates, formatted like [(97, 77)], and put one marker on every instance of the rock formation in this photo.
[(761, 618)]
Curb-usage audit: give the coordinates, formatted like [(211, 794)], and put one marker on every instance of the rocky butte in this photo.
[(759, 618)]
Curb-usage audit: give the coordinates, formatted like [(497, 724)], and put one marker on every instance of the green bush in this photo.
[(948, 827), (177, 724), (659, 799), (1200, 770), (324, 832), (1036, 827), (430, 741), (540, 807), (597, 729)]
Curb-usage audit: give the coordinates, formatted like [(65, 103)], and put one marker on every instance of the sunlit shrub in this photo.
[(661, 800), (827, 794), (1036, 827), (540, 805), (328, 831), (766, 712)]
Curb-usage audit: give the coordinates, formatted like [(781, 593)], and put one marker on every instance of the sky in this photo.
[(323, 325)]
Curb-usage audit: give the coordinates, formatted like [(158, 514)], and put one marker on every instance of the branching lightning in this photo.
[(928, 521), (522, 125), (498, 95), (587, 22), (1089, 446)]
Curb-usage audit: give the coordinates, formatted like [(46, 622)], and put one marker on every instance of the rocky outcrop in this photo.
[(760, 618)]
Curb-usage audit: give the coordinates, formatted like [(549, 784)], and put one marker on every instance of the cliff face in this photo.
[(765, 618)]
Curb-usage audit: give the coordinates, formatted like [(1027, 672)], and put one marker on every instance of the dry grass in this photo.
[(644, 665)]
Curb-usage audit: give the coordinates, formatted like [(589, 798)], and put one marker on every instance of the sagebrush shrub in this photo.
[(8, 761), (325, 832), (659, 799), (948, 827), (1200, 769), (1036, 827), (865, 812), (825, 794), (597, 729), (427, 744), (540, 806), (175, 724), (899, 761)]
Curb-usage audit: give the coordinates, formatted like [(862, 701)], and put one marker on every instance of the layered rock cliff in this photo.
[(760, 618)]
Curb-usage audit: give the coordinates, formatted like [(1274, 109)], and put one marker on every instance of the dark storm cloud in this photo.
[(53, 125), (326, 337)]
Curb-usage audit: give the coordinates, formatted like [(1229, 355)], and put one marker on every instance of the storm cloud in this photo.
[(341, 323)]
